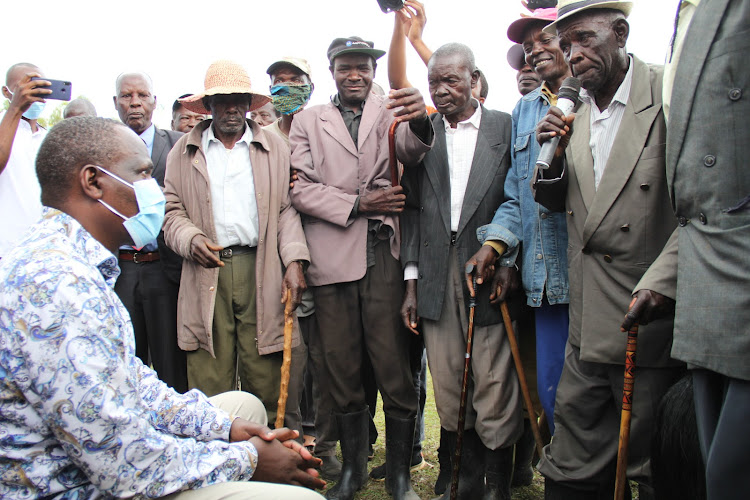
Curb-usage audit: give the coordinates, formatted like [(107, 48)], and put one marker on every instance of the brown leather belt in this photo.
[(139, 257)]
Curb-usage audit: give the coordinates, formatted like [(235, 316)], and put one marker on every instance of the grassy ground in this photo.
[(423, 480)]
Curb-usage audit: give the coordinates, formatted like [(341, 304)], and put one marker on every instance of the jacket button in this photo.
[(608, 258), (538, 256), (421, 276), (586, 250), (426, 244), (211, 289), (709, 160), (625, 228), (703, 219), (735, 94), (544, 215), (682, 221), (645, 187), (570, 212), (421, 209)]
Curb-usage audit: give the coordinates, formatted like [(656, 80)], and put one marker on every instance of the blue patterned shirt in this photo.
[(80, 415)]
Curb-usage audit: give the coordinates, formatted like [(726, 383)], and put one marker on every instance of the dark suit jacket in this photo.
[(163, 142), (426, 220), (708, 146)]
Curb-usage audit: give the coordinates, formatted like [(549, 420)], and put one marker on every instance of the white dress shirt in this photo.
[(230, 176), (605, 124), (460, 143), (20, 194)]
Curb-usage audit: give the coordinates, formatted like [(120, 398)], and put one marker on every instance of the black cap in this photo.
[(516, 57), (353, 45)]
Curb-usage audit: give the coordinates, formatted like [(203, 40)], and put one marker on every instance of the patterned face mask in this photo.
[(289, 98)]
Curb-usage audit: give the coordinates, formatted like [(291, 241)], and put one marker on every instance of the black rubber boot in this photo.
[(445, 454), (399, 433), (353, 437), (471, 477), (523, 474), (498, 467), (330, 469)]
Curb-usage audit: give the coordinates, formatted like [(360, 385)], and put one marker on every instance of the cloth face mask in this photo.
[(290, 98), (144, 226)]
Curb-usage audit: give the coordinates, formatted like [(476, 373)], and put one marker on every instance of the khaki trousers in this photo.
[(494, 407), (250, 408), (234, 332)]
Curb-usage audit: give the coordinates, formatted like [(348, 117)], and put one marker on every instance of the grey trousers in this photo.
[(583, 451), (494, 406)]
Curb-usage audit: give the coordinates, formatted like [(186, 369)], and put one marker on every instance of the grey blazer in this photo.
[(426, 220), (708, 150), (618, 234)]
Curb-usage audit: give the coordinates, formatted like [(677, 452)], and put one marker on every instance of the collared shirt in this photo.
[(72, 385), (20, 194), (148, 138), (233, 203), (685, 16), (605, 124), (460, 143), (351, 118)]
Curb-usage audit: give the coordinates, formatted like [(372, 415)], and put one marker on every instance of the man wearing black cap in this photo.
[(526, 78), (350, 208)]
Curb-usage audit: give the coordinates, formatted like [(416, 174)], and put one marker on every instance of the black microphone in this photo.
[(567, 99)]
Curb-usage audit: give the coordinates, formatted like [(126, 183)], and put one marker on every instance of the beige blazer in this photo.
[(188, 213), (618, 234), (332, 172)]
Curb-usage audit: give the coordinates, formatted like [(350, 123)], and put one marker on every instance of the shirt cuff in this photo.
[(411, 271), (499, 246)]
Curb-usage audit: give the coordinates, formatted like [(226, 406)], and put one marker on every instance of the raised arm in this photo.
[(397, 52)]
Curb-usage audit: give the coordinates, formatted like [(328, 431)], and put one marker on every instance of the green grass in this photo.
[(423, 480)]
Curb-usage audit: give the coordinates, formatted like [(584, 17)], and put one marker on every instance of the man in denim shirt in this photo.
[(520, 219)]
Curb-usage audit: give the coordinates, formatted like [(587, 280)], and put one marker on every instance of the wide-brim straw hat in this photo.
[(569, 8), (225, 77)]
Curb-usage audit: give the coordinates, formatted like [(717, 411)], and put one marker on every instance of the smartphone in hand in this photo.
[(61, 90)]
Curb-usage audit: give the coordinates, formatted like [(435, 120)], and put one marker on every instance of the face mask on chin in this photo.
[(144, 226)]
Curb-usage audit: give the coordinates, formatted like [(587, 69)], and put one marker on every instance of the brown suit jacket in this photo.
[(618, 234), (332, 172), (188, 213)]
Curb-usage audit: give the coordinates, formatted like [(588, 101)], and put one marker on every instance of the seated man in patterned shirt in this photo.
[(80, 415)]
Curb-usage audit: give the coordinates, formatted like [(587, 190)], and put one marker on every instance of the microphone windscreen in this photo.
[(570, 89)]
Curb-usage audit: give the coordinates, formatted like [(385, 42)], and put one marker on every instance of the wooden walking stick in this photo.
[(464, 390), (627, 408), (522, 378), (392, 161), (286, 363)]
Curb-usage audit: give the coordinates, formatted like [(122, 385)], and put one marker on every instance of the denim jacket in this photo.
[(522, 220)]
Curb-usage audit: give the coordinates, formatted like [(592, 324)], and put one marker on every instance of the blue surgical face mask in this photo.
[(34, 111), (144, 226)]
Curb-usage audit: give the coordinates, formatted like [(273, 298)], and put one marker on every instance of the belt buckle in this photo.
[(135, 258), (226, 253)]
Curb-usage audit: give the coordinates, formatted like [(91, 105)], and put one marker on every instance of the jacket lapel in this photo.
[(436, 166), (690, 67), (370, 116), (640, 113), (580, 152), (334, 126), (158, 150), (484, 165)]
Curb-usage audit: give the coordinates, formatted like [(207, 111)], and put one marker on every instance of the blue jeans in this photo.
[(551, 336)]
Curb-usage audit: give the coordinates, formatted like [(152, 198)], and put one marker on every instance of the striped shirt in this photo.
[(606, 123)]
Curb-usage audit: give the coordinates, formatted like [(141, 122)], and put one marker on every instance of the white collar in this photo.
[(208, 137), (474, 119)]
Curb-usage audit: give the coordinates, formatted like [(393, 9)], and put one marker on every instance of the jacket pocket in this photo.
[(522, 155)]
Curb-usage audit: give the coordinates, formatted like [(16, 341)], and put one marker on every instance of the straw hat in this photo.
[(224, 77), (568, 8)]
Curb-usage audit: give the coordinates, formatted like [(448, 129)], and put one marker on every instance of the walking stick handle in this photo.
[(522, 377), (392, 160), (627, 408)]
